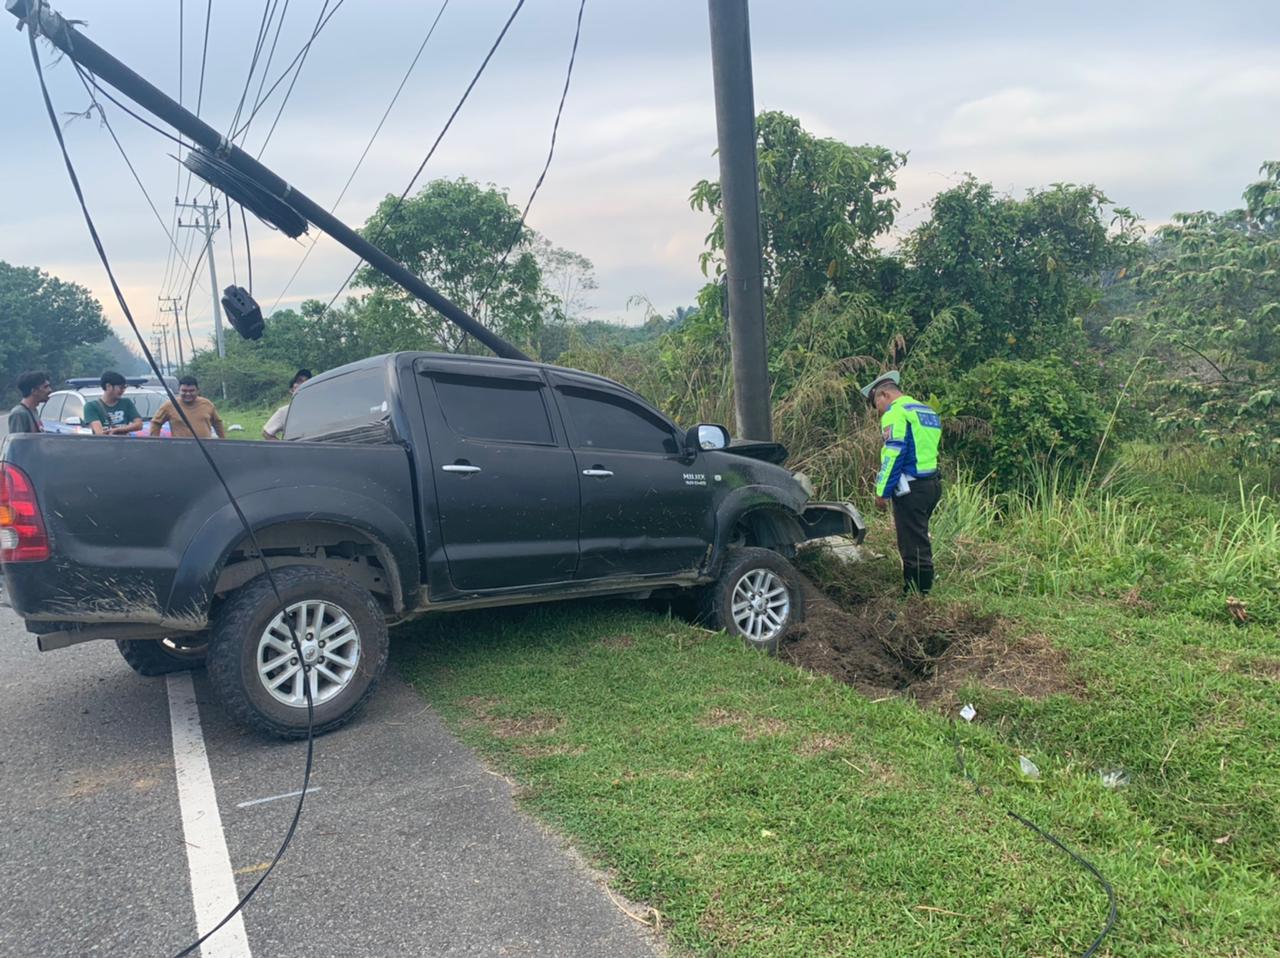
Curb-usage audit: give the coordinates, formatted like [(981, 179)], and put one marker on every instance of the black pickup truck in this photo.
[(410, 483)]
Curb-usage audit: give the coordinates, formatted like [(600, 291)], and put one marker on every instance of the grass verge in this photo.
[(766, 809)]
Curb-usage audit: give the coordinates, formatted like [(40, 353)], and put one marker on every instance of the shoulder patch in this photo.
[(887, 433)]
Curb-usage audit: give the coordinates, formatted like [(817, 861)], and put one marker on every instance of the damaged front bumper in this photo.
[(821, 520)]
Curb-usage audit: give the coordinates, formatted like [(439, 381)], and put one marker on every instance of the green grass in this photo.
[(252, 419), (765, 811)]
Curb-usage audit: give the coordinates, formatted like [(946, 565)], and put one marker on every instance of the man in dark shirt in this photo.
[(112, 415), (35, 388)]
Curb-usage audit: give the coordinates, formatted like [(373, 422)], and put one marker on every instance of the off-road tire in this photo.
[(741, 562), (151, 657), (239, 625)]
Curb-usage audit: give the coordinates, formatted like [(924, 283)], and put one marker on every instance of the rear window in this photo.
[(335, 405)]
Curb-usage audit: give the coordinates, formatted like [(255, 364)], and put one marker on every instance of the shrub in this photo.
[(1037, 412)]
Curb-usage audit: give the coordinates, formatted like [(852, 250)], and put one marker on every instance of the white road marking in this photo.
[(213, 886), (274, 798)]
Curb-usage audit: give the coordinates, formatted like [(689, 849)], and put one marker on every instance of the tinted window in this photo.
[(502, 410), (52, 410), (354, 399), (605, 421)]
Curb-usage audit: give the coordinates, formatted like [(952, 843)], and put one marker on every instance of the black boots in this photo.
[(916, 580)]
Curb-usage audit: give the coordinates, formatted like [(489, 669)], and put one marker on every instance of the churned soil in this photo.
[(927, 650)]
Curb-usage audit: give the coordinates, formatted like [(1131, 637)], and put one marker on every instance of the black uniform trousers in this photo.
[(911, 519)]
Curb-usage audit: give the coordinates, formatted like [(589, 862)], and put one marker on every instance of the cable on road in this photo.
[(201, 444)]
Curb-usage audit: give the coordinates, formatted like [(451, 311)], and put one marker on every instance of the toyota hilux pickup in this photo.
[(409, 483)]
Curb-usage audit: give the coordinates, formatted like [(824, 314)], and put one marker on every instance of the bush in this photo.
[(1037, 413)]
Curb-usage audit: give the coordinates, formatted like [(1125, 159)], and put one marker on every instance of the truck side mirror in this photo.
[(705, 436)]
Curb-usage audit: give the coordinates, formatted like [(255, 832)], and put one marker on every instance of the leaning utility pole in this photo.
[(740, 204), (208, 225), (171, 304), (62, 34)]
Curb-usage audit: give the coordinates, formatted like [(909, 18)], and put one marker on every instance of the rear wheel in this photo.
[(757, 598), (178, 653), (263, 679)]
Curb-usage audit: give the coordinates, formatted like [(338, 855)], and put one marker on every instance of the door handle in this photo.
[(465, 470), (597, 473)]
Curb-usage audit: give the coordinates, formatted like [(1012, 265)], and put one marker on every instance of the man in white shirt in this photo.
[(274, 429)]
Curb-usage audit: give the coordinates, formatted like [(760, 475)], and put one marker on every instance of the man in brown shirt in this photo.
[(202, 413)]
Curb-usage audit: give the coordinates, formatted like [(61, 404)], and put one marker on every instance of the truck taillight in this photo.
[(22, 534)]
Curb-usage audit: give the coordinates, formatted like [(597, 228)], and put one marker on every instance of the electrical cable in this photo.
[(368, 146), (173, 244), (321, 22), (1053, 840), (551, 152), (235, 505), (268, 13), (168, 262), (231, 242), (248, 251), (204, 55), (266, 69), (431, 152), (225, 178)]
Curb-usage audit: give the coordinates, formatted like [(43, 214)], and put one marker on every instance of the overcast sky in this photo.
[(1166, 106)]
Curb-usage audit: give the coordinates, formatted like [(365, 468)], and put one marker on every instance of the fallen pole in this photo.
[(57, 30)]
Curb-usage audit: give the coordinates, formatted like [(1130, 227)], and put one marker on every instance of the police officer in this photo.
[(908, 476)]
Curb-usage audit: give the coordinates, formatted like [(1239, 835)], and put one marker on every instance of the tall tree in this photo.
[(43, 319), (454, 234), (1211, 314), (823, 204), (1013, 276)]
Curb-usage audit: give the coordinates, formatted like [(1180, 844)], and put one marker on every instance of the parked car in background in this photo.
[(63, 413)]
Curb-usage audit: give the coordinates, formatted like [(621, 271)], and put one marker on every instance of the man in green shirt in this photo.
[(112, 415), (908, 477)]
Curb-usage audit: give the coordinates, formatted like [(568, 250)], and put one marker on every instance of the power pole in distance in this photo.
[(165, 365), (740, 203), (208, 225), (170, 304)]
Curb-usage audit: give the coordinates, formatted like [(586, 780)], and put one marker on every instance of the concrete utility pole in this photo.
[(170, 304), (208, 225), (740, 204), (164, 351), (63, 35)]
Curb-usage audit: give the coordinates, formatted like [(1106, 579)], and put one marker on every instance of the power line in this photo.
[(268, 14), (321, 22), (368, 146), (551, 152), (292, 83), (173, 243), (266, 69), (213, 466), (431, 152)]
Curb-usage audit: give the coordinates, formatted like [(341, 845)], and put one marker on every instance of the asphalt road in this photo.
[(408, 845)]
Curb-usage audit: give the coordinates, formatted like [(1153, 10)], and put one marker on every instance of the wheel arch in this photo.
[(297, 526)]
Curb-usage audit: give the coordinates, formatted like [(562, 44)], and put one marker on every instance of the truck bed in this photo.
[(159, 524)]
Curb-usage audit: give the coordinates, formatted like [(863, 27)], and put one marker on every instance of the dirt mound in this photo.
[(928, 650)]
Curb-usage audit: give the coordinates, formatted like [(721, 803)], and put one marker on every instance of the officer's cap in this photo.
[(892, 376)]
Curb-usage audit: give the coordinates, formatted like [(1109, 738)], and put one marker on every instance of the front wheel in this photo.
[(263, 680), (757, 597)]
